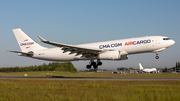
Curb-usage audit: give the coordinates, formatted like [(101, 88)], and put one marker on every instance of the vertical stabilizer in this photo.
[(140, 66), (25, 42)]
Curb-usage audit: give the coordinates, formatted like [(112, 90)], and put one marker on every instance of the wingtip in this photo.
[(41, 39)]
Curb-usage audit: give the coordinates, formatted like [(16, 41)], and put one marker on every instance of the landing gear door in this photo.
[(157, 41)]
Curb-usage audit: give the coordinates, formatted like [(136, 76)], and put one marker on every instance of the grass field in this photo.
[(89, 74), (88, 90), (77, 90)]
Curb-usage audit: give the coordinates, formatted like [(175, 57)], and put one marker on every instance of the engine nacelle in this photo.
[(124, 57), (112, 55)]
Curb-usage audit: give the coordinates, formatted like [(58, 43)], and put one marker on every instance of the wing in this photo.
[(87, 52)]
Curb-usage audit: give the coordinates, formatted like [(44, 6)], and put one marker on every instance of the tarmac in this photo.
[(94, 78)]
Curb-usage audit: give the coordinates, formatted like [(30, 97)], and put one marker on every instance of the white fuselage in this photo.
[(124, 46), (149, 70)]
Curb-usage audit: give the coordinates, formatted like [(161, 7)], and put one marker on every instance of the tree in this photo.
[(51, 66), (40, 68), (165, 70)]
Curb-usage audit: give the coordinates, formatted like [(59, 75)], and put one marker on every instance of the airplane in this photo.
[(107, 50), (147, 70)]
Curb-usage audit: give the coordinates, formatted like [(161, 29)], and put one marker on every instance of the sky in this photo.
[(86, 21)]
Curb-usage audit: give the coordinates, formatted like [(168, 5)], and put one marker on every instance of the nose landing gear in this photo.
[(157, 57)]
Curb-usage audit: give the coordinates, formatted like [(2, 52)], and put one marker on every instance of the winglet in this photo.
[(41, 39)]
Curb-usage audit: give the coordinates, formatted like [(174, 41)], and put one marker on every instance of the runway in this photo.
[(94, 78)]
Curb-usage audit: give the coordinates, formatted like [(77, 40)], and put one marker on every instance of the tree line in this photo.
[(54, 66)]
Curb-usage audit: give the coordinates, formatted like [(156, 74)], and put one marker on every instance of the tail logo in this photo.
[(27, 44), (25, 40), (28, 47)]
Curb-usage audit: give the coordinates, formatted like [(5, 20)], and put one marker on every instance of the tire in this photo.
[(99, 63), (157, 57), (95, 66), (93, 63), (88, 66)]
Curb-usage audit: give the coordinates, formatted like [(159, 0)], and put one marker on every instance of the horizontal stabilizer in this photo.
[(23, 53)]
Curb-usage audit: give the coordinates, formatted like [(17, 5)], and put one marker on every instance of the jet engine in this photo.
[(112, 55)]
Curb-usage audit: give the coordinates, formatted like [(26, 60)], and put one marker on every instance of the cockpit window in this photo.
[(166, 38)]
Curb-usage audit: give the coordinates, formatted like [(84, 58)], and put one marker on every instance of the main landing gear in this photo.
[(157, 57), (94, 64)]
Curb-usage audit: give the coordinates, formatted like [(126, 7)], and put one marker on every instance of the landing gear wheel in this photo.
[(157, 57), (99, 63), (95, 66), (93, 63), (88, 66)]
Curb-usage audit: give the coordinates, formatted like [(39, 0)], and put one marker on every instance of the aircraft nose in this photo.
[(173, 42), (170, 43)]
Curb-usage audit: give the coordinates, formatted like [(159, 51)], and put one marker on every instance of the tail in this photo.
[(140, 66), (25, 42)]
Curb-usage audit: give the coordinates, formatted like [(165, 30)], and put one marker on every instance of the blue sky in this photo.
[(86, 21)]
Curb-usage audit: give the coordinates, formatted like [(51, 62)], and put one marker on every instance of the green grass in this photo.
[(93, 90), (88, 90), (89, 74)]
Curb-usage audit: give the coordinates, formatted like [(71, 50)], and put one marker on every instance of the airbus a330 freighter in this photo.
[(107, 50)]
